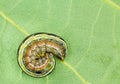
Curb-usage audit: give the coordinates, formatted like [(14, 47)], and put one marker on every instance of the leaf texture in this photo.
[(91, 29)]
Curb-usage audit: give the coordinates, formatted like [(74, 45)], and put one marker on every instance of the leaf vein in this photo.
[(17, 26), (75, 72), (26, 33), (69, 13), (115, 60), (17, 3), (113, 4), (92, 34)]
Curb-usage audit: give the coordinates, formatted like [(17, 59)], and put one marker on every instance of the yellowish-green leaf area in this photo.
[(91, 29)]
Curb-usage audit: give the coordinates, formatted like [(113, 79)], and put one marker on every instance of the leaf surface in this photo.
[(91, 29)]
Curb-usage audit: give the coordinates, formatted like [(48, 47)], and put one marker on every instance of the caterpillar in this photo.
[(37, 51)]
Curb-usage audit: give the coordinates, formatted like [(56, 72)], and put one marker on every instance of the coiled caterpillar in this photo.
[(36, 53)]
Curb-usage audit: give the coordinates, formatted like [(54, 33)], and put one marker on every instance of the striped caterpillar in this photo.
[(36, 53)]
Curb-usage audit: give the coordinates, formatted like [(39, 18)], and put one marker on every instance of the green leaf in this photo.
[(91, 29)]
